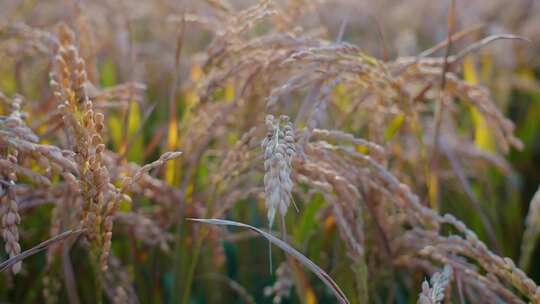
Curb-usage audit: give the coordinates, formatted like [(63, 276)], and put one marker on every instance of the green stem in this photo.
[(197, 250), (360, 272), (94, 257), (178, 258), (192, 266)]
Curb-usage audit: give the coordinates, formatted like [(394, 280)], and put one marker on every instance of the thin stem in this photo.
[(172, 119), (270, 250), (197, 249), (192, 266), (283, 229), (434, 165)]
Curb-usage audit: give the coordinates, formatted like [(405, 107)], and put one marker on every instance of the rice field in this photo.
[(269, 151)]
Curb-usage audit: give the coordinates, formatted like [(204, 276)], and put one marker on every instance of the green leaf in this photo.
[(108, 74), (393, 127), (135, 152), (308, 220)]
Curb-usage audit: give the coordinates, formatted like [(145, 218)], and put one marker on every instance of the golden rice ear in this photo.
[(278, 150), (532, 231), (66, 36), (434, 291), (10, 220)]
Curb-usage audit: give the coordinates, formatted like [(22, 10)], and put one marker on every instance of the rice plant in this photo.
[(385, 152)]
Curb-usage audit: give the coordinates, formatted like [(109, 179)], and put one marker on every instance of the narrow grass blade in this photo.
[(480, 44), (325, 278), (41, 246)]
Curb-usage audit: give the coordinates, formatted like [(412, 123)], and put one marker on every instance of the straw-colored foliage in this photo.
[(394, 175)]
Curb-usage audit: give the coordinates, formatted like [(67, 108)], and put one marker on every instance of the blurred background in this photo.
[(135, 42)]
